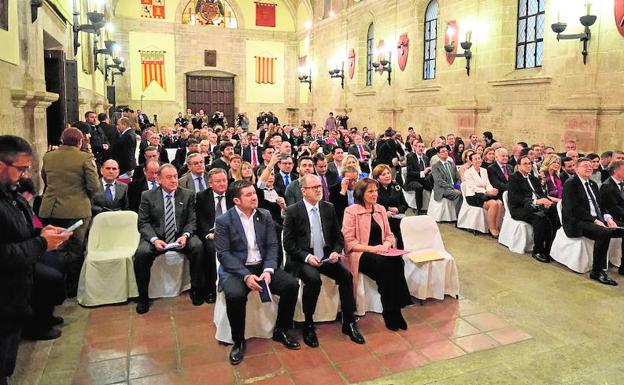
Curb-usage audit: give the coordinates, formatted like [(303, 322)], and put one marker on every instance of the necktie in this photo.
[(505, 172), (200, 183), (361, 151), (170, 225), (254, 157), (316, 233), (325, 189), (593, 200), (448, 171), (421, 163), (219, 210), (621, 186), (154, 185), (286, 180), (108, 193)]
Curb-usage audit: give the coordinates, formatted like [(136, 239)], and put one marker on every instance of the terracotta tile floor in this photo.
[(174, 344)]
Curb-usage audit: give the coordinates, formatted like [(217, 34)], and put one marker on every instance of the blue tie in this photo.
[(108, 193), (200, 183), (286, 180), (316, 233)]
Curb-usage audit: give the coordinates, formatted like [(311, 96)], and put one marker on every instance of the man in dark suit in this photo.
[(114, 195), (142, 119), (147, 181), (528, 203), (361, 151), (253, 148), (284, 174), (109, 130), (292, 194), (313, 243), (124, 148), (418, 175), (247, 250), (196, 179), (167, 215), (328, 178), (612, 196), (226, 151), (211, 203), (192, 145), (154, 141), (500, 172), (568, 166), (583, 217)]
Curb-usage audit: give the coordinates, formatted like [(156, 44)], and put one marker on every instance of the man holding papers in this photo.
[(313, 243), (246, 245)]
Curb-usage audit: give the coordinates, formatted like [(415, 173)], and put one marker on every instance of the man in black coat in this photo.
[(248, 152), (583, 217), (211, 203), (500, 172), (328, 178), (108, 129), (313, 242), (125, 147), (20, 247), (612, 196), (528, 202), (114, 195), (418, 175), (146, 182)]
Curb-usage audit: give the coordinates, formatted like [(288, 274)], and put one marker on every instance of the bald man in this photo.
[(114, 195)]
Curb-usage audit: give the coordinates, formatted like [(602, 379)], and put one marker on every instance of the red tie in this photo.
[(254, 157), (361, 152), (505, 172)]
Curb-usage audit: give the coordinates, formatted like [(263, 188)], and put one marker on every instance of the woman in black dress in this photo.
[(390, 196)]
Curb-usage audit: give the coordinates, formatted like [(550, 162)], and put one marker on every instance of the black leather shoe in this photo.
[(237, 353), (309, 336), (56, 320), (603, 278), (280, 336), (142, 307), (42, 335), (353, 332), (541, 257), (211, 298), (400, 321), (390, 321), (621, 270), (196, 298)]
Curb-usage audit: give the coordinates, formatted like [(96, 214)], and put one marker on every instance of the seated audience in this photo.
[(196, 179), (612, 196), (147, 182), (226, 151), (569, 168), (445, 179), (597, 173), (418, 175), (235, 162), (114, 195), (481, 193), (500, 172), (390, 196), (465, 165), (284, 173), (488, 157), (551, 182), (305, 165), (328, 178)]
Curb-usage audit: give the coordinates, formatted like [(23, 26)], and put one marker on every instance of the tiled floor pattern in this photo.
[(174, 344)]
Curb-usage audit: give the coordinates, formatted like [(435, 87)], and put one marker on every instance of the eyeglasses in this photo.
[(21, 169), (317, 187)]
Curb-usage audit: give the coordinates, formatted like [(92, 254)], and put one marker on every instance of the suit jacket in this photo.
[(110, 131), (180, 158), (293, 193), (331, 178), (414, 169), (353, 150), (497, 178), (612, 199), (188, 182), (120, 201), (520, 196), (219, 163), (297, 233), (71, 181), (476, 182), (135, 190), (152, 213), (564, 176), (331, 166), (205, 210), (246, 155), (231, 243), (441, 181), (123, 151), (576, 205), (279, 185), (392, 196)]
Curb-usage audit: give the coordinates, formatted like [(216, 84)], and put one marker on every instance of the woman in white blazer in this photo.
[(480, 193)]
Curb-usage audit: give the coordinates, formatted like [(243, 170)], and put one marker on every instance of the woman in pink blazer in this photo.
[(367, 237), (480, 193)]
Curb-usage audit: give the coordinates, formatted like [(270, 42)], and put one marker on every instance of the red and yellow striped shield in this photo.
[(153, 68), (265, 70)]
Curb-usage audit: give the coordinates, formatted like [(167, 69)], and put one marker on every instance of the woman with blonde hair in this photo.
[(488, 158), (551, 166), (245, 172), (352, 160)]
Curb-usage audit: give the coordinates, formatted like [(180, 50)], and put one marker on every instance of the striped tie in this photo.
[(170, 225)]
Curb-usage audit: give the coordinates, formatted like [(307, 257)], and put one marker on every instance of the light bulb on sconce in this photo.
[(307, 25), (451, 48)]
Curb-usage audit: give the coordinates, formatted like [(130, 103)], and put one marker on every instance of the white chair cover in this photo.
[(615, 252), (107, 274), (410, 196), (470, 217), (327, 305), (170, 275), (443, 211), (367, 296), (433, 279), (516, 235), (575, 253)]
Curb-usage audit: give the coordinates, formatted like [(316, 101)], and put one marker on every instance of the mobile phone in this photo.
[(72, 227)]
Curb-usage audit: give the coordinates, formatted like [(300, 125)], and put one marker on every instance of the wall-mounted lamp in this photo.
[(109, 47), (587, 21), (96, 22), (466, 45), (34, 9), (338, 73), (118, 65), (119, 73), (384, 65), (306, 78)]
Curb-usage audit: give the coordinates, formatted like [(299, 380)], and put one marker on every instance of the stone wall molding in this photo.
[(521, 81)]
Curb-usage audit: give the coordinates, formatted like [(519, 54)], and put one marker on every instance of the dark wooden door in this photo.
[(56, 113), (211, 94)]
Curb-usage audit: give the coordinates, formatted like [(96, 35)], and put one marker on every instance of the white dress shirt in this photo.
[(216, 202), (309, 208), (253, 252), (592, 210)]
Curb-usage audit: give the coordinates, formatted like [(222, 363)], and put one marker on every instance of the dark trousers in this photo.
[(601, 237), (210, 267), (418, 187), (9, 342), (236, 291), (73, 250), (545, 223), (395, 227), (311, 277), (389, 274), (147, 253), (48, 290)]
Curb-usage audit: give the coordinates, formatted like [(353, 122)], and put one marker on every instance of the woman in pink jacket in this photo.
[(367, 238)]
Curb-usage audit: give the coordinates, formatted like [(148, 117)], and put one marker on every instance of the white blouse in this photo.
[(476, 182)]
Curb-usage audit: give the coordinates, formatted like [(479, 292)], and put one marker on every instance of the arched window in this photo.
[(209, 12), (431, 37), (370, 49), (530, 38)]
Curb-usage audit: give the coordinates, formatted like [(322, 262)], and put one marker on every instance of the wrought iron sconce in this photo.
[(384, 65), (118, 65), (120, 72), (306, 78), (338, 73), (34, 9), (466, 45), (96, 22), (587, 21), (109, 46)]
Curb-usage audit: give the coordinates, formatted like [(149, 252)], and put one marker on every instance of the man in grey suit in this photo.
[(446, 180), (246, 245), (305, 165), (114, 195), (196, 179), (167, 215)]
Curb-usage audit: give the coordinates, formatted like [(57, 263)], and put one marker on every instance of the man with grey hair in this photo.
[(195, 180), (500, 171)]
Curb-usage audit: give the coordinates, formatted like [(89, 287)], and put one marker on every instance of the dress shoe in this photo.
[(621, 270), (142, 307), (353, 332), (603, 278), (309, 336), (541, 257), (280, 335), (390, 320), (42, 334), (400, 321), (56, 320), (237, 353), (210, 298), (196, 298)]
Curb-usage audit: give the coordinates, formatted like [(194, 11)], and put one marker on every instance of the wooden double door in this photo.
[(211, 94)]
